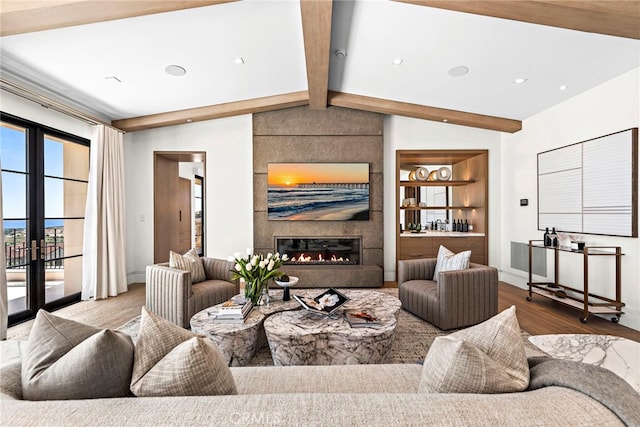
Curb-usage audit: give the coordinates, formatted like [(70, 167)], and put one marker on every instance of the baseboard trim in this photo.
[(136, 277)]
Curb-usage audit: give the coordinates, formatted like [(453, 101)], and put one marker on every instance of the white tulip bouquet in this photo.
[(256, 270)]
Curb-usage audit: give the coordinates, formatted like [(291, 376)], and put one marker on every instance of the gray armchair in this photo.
[(172, 295), (458, 299)]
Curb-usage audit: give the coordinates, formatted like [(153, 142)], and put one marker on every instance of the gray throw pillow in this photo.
[(486, 358), (171, 361), (65, 359), (191, 262)]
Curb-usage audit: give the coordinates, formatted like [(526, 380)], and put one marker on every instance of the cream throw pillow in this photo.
[(171, 361), (188, 262), (449, 261), (486, 358), (65, 359)]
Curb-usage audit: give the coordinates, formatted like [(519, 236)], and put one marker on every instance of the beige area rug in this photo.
[(412, 341)]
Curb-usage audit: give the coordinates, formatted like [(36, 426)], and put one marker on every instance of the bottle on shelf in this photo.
[(554, 238), (547, 237), (465, 228)]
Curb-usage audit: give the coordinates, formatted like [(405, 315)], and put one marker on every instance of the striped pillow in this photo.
[(171, 361), (486, 358), (188, 262), (448, 261)]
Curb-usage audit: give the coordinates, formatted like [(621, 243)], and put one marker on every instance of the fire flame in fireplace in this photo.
[(307, 258)]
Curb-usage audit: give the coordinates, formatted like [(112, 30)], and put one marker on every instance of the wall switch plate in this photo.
[(524, 202)]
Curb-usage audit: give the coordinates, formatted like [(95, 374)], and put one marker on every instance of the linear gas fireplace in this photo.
[(320, 250)]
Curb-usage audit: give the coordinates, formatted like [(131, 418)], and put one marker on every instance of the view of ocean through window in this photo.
[(44, 186)]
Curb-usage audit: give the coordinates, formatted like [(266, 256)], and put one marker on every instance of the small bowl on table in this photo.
[(293, 280)]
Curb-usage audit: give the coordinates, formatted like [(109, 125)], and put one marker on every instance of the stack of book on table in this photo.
[(233, 312)]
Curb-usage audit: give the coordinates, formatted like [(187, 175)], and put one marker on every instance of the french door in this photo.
[(44, 186)]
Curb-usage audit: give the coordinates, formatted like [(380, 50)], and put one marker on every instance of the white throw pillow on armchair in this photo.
[(449, 261)]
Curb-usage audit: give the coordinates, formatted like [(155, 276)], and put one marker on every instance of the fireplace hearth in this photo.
[(328, 251)]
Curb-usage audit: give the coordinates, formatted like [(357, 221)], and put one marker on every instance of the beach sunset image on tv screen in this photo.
[(318, 191)]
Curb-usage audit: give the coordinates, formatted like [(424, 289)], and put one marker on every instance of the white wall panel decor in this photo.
[(590, 187)]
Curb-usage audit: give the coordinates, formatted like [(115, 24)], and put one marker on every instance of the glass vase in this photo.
[(253, 291)]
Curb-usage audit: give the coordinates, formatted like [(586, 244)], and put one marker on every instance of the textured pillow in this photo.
[(448, 261), (171, 361), (486, 358), (65, 359), (189, 262)]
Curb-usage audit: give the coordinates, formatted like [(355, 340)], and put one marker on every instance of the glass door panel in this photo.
[(198, 208), (66, 174), (17, 236)]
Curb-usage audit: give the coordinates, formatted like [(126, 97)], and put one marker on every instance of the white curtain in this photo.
[(103, 264), (4, 304)]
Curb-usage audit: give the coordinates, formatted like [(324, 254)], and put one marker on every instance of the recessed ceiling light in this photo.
[(519, 81), (175, 70), (458, 71), (564, 87), (341, 53), (189, 120), (397, 61), (445, 120), (238, 60), (113, 79)]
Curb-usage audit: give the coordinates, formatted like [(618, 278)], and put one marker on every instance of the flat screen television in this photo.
[(318, 191)]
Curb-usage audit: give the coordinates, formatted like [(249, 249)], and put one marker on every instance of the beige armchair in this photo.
[(458, 299), (171, 294)]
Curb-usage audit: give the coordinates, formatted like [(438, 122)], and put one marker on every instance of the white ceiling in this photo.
[(74, 62)]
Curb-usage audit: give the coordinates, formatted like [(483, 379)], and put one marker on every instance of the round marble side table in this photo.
[(304, 338)]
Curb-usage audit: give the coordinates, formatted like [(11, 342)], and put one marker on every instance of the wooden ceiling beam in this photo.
[(20, 16), (316, 29), (386, 106), (250, 106), (611, 17)]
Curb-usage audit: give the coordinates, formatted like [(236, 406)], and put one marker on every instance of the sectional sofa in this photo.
[(76, 375), (358, 395)]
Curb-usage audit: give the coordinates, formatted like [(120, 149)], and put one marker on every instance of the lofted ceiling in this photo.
[(397, 57)]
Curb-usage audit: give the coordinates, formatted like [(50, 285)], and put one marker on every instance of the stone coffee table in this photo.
[(304, 338), (239, 342)]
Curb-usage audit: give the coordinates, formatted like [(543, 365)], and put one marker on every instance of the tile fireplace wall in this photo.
[(334, 134)]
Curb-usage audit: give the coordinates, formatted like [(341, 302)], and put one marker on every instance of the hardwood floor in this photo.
[(105, 313), (538, 317), (544, 316)]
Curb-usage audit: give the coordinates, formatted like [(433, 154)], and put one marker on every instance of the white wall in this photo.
[(608, 108), (403, 133), (228, 185), (20, 107)]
